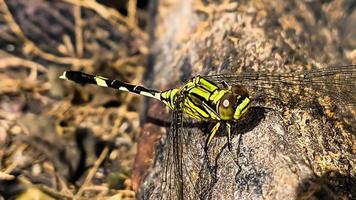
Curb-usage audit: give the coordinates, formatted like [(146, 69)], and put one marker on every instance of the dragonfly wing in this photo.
[(330, 91), (337, 83), (186, 166), (177, 143), (171, 186), (174, 169), (190, 176)]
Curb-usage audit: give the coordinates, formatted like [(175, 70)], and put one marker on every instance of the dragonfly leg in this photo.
[(229, 145), (235, 156), (228, 128), (212, 134)]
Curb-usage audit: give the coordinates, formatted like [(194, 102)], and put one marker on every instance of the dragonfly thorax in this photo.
[(205, 100)]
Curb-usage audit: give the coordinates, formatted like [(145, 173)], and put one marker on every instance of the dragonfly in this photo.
[(224, 99), (199, 98)]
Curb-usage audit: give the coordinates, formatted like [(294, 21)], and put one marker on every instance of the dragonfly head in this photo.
[(234, 103)]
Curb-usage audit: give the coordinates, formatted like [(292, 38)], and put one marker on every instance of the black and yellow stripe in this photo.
[(199, 98), (83, 78)]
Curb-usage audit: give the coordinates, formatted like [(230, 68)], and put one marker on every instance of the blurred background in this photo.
[(55, 136), (59, 140)]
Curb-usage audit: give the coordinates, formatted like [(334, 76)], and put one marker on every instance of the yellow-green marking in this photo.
[(199, 98)]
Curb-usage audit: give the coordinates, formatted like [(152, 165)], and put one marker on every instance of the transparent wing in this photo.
[(172, 176), (196, 186), (185, 166), (330, 90), (177, 153), (336, 83), (167, 189), (185, 172)]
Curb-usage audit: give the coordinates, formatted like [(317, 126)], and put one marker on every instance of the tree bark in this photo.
[(283, 153)]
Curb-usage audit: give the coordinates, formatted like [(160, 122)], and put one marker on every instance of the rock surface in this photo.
[(288, 152)]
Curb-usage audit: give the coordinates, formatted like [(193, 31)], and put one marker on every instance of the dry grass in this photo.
[(58, 140)]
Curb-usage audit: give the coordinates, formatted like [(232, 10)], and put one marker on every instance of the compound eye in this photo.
[(240, 90), (226, 106)]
